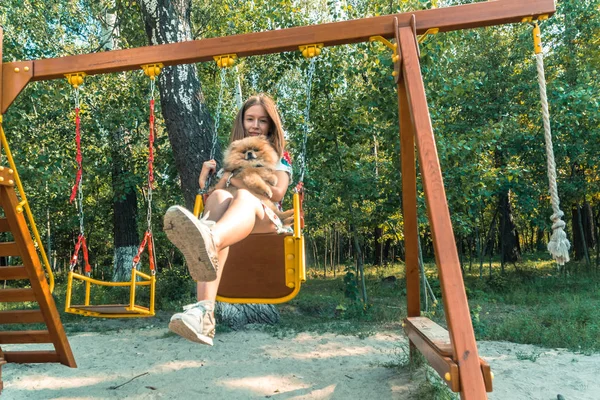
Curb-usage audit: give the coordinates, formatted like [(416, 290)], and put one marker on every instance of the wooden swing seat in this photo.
[(265, 268), (434, 343)]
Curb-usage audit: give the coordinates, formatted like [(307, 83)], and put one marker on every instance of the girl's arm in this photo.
[(279, 190)]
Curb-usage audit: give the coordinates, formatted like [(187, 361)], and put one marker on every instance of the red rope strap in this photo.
[(81, 243), (79, 157), (147, 241)]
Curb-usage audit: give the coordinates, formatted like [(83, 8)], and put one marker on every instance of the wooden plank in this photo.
[(9, 249), (13, 272), (17, 295), (15, 76), (21, 317), (22, 337), (453, 289), (27, 357), (487, 375), (409, 204), (443, 365), (446, 19), (39, 285), (437, 336)]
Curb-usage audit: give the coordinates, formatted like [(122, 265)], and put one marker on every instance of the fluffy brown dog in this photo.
[(253, 160)]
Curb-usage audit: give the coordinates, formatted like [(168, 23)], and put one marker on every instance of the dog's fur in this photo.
[(253, 160)]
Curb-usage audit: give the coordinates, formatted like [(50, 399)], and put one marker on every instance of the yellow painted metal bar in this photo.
[(152, 293), (88, 291), (198, 205), (69, 291), (103, 283), (33, 227), (132, 290)]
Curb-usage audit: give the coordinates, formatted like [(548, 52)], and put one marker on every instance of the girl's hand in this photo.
[(209, 167)]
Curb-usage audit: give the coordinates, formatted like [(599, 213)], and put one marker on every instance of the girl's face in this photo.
[(256, 121)]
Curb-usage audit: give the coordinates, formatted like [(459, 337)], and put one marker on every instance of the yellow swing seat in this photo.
[(131, 310)]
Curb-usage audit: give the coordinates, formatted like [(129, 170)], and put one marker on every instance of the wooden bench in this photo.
[(434, 343)]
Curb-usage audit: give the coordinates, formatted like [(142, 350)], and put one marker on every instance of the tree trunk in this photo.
[(125, 234), (126, 239), (188, 122), (378, 245), (580, 234), (509, 237)]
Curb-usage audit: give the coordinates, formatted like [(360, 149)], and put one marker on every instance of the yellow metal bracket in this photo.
[(537, 34), (225, 60), (311, 50), (392, 46), (152, 70), (430, 31), (76, 79)]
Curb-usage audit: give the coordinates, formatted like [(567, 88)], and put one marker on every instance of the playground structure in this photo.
[(453, 352)]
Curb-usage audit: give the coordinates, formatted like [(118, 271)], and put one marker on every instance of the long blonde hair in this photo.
[(275, 134)]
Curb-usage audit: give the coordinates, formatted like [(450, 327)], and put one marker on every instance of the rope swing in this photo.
[(559, 244)]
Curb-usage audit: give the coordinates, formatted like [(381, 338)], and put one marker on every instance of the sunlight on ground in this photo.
[(52, 383), (267, 384), (176, 366)]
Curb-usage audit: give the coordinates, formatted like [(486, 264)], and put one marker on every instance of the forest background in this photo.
[(484, 103)]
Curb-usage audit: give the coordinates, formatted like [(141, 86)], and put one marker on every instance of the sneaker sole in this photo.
[(179, 228), (180, 328)]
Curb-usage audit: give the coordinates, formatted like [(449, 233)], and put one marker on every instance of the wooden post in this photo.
[(456, 307), (409, 203)]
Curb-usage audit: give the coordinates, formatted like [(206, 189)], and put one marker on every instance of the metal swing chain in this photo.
[(306, 128), (150, 158), (223, 73), (80, 181)]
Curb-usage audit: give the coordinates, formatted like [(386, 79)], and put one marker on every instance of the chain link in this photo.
[(306, 127)]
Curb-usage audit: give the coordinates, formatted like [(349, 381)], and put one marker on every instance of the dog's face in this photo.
[(253, 151)]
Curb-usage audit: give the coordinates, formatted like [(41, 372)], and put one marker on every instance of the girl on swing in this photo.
[(228, 218)]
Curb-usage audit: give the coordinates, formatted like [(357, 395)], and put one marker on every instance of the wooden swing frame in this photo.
[(452, 353)]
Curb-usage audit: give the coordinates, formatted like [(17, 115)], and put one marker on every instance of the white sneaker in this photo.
[(194, 239), (196, 323)]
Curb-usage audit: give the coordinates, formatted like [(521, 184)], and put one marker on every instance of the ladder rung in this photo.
[(21, 317), (17, 295), (9, 249), (13, 272), (20, 337), (4, 225), (38, 356)]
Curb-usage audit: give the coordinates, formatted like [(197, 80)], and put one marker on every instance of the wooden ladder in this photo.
[(28, 285)]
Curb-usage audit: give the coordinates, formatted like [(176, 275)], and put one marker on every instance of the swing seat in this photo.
[(131, 310), (265, 268)]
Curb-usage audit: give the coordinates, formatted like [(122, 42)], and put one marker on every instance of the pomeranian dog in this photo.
[(253, 160)]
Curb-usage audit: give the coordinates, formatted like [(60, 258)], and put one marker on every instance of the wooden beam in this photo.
[(277, 41), (453, 289)]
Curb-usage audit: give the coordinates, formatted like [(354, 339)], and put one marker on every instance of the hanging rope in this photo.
[(76, 80), (152, 71), (559, 244)]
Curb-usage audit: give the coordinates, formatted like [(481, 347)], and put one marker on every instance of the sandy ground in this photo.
[(152, 364)]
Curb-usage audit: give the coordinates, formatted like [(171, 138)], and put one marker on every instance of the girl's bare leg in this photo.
[(236, 217)]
